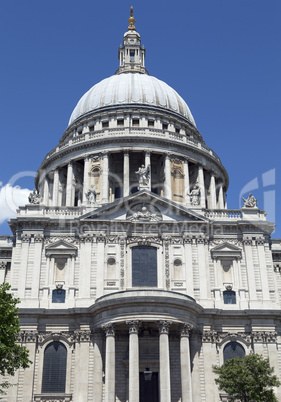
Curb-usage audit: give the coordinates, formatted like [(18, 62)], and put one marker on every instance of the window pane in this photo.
[(229, 297), (58, 296), (233, 349), (54, 368), (144, 266)]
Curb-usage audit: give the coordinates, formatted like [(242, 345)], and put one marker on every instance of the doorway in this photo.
[(149, 390)]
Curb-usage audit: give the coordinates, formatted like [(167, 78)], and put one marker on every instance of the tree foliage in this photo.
[(12, 355), (247, 379)]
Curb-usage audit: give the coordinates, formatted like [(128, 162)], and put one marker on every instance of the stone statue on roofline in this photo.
[(144, 175), (34, 197), (250, 202), (195, 195), (91, 195)]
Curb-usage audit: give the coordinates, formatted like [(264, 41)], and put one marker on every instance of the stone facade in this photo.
[(127, 260)]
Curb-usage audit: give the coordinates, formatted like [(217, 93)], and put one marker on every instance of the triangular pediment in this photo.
[(144, 206), (61, 247), (225, 250)]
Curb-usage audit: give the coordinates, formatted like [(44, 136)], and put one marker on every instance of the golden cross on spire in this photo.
[(131, 20)]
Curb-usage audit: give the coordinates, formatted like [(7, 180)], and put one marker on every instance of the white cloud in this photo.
[(10, 199)]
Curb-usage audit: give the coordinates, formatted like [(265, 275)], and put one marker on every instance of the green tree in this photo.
[(247, 379), (12, 355)]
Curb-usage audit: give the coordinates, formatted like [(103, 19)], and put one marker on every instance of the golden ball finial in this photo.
[(131, 20)]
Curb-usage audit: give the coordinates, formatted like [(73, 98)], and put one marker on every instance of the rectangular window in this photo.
[(229, 297), (136, 122), (105, 124), (144, 266), (132, 55), (120, 122), (150, 123), (165, 126), (177, 130)]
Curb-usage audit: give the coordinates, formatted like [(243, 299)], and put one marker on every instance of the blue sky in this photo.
[(223, 57)]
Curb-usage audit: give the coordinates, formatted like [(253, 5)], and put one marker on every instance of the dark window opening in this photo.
[(150, 123), (134, 190), (136, 122), (120, 122), (118, 193), (54, 368), (92, 128), (154, 190), (233, 349), (144, 266), (229, 297), (105, 124), (165, 126), (177, 130), (58, 296), (132, 55)]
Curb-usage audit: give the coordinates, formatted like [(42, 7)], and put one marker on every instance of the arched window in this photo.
[(54, 368), (144, 266), (233, 349), (229, 297)]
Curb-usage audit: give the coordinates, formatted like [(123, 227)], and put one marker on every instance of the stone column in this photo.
[(126, 174), (148, 163), (201, 183), (69, 184), (105, 172), (221, 200), (3, 266), (168, 181), (46, 191), (186, 183), (85, 180), (56, 187), (164, 363), (250, 270), (97, 372), (186, 383), (213, 200), (38, 244), (109, 363), (263, 271), (133, 360)]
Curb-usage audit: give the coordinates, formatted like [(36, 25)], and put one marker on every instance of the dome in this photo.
[(131, 88)]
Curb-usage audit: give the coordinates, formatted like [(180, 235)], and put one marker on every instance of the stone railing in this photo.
[(222, 214), (143, 132), (53, 397), (42, 210), (6, 241)]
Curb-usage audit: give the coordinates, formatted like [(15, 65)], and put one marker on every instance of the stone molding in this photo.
[(144, 240), (52, 397), (247, 337)]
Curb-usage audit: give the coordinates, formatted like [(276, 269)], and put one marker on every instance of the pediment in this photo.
[(144, 206), (61, 247), (226, 250)]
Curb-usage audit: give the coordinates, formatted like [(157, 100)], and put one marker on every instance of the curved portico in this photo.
[(148, 317)]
